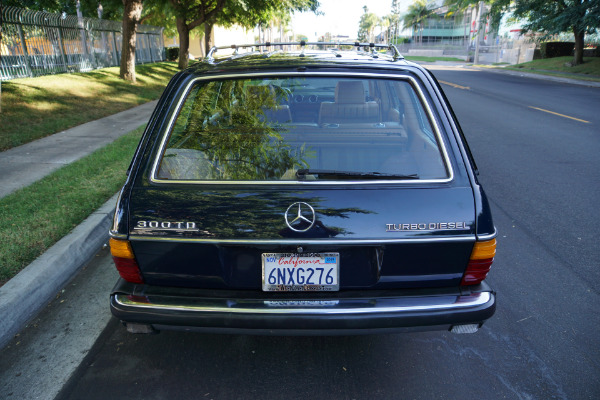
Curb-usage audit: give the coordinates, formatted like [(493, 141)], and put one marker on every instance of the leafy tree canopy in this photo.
[(580, 17), (418, 12), (190, 14), (559, 16)]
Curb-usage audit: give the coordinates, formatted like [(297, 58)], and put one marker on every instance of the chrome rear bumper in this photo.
[(305, 315)]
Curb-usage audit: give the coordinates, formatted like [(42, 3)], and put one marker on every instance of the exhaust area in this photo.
[(467, 328)]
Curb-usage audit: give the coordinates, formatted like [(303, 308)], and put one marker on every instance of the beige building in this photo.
[(221, 37)]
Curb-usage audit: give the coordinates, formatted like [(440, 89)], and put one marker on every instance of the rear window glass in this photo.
[(302, 129)]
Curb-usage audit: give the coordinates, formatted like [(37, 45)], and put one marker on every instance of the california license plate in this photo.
[(294, 272)]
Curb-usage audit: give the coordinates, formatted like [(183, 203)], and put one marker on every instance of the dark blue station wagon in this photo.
[(303, 192)]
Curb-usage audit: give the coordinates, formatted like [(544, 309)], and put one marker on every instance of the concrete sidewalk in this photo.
[(526, 74), (23, 165), (28, 292)]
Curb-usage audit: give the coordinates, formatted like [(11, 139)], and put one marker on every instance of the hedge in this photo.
[(172, 53), (557, 49)]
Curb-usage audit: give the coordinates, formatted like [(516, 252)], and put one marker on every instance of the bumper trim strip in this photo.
[(253, 307)]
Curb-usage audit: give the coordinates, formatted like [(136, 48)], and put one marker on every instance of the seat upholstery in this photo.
[(280, 114), (349, 105)]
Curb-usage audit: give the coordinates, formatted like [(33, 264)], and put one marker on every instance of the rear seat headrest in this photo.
[(349, 92)]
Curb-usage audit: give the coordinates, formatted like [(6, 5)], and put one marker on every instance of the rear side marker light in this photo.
[(480, 262), (125, 260)]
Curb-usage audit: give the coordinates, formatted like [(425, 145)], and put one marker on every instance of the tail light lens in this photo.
[(125, 260), (480, 262)]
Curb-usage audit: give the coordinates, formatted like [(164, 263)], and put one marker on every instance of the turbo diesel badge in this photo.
[(431, 226)]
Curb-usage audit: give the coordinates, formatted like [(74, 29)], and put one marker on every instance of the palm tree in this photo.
[(395, 20), (386, 23), (367, 24), (418, 13)]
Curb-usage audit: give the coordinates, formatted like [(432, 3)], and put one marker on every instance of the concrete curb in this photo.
[(22, 297)]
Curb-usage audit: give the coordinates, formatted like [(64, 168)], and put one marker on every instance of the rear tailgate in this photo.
[(387, 236)]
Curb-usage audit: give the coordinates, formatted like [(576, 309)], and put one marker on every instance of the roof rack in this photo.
[(358, 45)]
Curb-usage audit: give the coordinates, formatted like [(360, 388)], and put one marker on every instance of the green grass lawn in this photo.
[(589, 70), (36, 217), (36, 107)]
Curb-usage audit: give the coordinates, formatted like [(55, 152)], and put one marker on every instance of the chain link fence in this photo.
[(502, 51), (37, 43), (459, 35)]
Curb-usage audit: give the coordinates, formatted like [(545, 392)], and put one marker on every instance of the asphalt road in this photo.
[(541, 173)]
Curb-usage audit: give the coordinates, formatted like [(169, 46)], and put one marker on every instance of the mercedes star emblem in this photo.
[(300, 217)]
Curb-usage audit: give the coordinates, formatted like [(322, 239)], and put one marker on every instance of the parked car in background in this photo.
[(303, 192), (482, 48)]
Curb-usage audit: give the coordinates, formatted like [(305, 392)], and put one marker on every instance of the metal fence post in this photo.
[(161, 43), (150, 47), (24, 47), (62, 48), (117, 60), (93, 56)]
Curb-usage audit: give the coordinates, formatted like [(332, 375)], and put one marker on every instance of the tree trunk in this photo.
[(131, 18), (184, 43), (208, 37), (579, 41)]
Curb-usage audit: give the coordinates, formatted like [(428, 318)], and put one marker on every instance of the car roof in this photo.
[(273, 56)]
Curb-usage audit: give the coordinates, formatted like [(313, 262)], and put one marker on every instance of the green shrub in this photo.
[(592, 52), (172, 53), (401, 40), (557, 49)]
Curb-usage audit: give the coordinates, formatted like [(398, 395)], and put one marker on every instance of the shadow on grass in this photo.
[(37, 216), (36, 107)]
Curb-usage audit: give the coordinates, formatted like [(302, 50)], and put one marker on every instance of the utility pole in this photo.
[(478, 25)]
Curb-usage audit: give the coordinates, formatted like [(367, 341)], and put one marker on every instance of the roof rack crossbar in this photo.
[(303, 44)]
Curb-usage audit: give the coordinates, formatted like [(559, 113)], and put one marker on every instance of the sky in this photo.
[(340, 17)]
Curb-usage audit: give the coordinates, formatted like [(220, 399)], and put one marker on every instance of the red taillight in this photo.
[(480, 262), (125, 261)]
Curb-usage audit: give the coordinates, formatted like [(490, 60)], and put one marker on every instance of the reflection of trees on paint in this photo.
[(239, 214), (226, 125)]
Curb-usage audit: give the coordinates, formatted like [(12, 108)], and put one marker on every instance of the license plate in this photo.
[(292, 272)]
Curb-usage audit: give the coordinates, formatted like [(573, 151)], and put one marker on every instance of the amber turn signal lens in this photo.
[(125, 260), (484, 250), (121, 248), (480, 262)]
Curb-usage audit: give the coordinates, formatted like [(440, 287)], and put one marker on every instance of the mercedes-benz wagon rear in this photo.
[(303, 193)]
